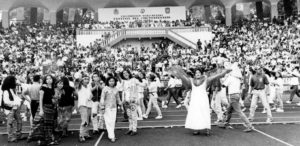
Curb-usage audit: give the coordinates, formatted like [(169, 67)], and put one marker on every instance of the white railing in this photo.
[(112, 37), (139, 32), (182, 39), (175, 29), (85, 34)]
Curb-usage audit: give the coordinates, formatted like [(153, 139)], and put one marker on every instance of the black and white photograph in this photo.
[(150, 72)]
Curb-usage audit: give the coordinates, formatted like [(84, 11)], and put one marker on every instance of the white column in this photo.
[(298, 6), (96, 16), (52, 17), (274, 10), (228, 16), (46, 16), (71, 16), (20, 14), (5, 18)]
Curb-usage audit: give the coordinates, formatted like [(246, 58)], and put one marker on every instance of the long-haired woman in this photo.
[(141, 88), (130, 100), (11, 104), (43, 130), (108, 103), (65, 97), (84, 92)]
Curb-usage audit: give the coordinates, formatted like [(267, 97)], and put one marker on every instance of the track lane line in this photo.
[(272, 137), (99, 139)]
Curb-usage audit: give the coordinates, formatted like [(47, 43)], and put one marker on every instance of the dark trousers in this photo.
[(294, 90), (173, 92), (34, 107)]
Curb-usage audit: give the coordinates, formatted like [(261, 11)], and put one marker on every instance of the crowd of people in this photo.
[(139, 24), (43, 68)]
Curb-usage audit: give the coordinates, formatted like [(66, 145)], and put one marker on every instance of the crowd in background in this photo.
[(46, 60)]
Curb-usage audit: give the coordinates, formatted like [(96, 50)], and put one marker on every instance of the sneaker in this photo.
[(74, 112), (145, 116), (249, 129), (250, 119), (244, 109), (165, 106), (128, 132), (133, 133), (140, 119), (279, 110), (288, 102), (298, 104), (218, 121), (264, 111), (12, 140), (225, 126), (179, 106), (81, 139), (162, 103), (273, 108), (269, 120), (112, 140), (158, 117)]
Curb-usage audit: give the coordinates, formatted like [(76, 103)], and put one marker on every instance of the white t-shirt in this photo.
[(233, 84)]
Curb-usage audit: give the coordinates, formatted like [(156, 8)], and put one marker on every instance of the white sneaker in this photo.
[(274, 108), (264, 111), (145, 116), (74, 112), (140, 119), (269, 120), (279, 110), (244, 109), (165, 106), (179, 106), (162, 103), (158, 117), (288, 102), (298, 104)]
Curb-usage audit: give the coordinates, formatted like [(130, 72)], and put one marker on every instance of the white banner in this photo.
[(142, 13)]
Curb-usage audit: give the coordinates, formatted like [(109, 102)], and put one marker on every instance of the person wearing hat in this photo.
[(259, 83)]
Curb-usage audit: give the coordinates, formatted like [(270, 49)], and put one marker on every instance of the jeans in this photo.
[(173, 92), (97, 116), (85, 113), (14, 116), (278, 99), (153, 101), (262, 95), (64, 118), (216, 104), (294, 90), (131, 109), (234, 105)]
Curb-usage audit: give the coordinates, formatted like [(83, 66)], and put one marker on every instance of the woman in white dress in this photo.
[(198, 116)]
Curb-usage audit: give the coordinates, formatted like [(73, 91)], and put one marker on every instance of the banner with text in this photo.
[(142, 13)]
